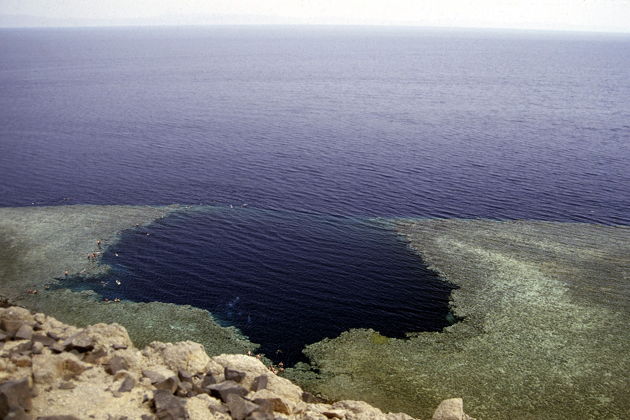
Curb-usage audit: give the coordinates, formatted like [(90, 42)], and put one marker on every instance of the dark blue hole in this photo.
[(284, 279)]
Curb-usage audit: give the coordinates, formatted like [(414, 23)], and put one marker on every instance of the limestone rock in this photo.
[(96, 372), (108, 335), (265, 397), (451, 409), (186, 355)]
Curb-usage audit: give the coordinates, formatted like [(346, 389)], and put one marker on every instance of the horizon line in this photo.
[(307, 24)]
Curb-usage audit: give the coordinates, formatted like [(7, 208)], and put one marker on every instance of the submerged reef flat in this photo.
[(543, 333), (38, 245)]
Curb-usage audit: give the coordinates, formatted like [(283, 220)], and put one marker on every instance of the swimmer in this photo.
[(98, 243), (118, 282), (65, 274)]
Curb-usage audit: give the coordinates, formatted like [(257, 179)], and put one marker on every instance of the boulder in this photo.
[(115, 364), (186, 355), (25, 332), (451, 409), (254, 367), (260, 382), (239, 407), (168, 406), (127, 385), (227, 388), (15, 398), (169, 384), (233, 375), (266, 398), (81, 342)]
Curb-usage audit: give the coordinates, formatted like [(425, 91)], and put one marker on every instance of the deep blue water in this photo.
[(341, 121), (316, 130), (284, 279)]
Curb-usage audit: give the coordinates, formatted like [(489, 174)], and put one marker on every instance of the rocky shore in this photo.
[(51, 370)]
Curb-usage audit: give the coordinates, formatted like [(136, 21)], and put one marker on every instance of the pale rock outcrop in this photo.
[(48, 368), (451, 409), (185, 355)]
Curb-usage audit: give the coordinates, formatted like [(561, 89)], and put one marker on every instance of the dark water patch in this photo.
[(284, 279)]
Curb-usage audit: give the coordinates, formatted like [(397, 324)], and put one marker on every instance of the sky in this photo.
[(581, 15)]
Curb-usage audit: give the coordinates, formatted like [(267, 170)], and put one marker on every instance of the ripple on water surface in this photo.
[(284, 279)]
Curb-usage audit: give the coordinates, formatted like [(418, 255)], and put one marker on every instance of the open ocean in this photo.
[(302, 138)]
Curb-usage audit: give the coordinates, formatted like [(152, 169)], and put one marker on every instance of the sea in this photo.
[(297, 146)]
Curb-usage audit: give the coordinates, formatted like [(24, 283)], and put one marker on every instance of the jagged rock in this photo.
[(184, 375), (260, 382), (254, 367), (43, 339), (25, 332), (265, 397), (168, 407), (169, 384), (153, 376), (185, 389), (80, 342), (239, 407), (161, 367), (11, 326), (95, 356), (451, 409), (127, 384), (224, 389), (15, 398), (204, 386), (3, 335), (115, 364), (233, 375), (53, 335)]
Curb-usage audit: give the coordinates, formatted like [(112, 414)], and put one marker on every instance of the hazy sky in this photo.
[(590, 15)]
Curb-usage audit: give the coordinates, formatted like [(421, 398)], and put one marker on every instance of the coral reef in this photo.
[(543, 331)]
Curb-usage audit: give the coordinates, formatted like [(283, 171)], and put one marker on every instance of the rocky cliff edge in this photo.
[(50, 370)]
